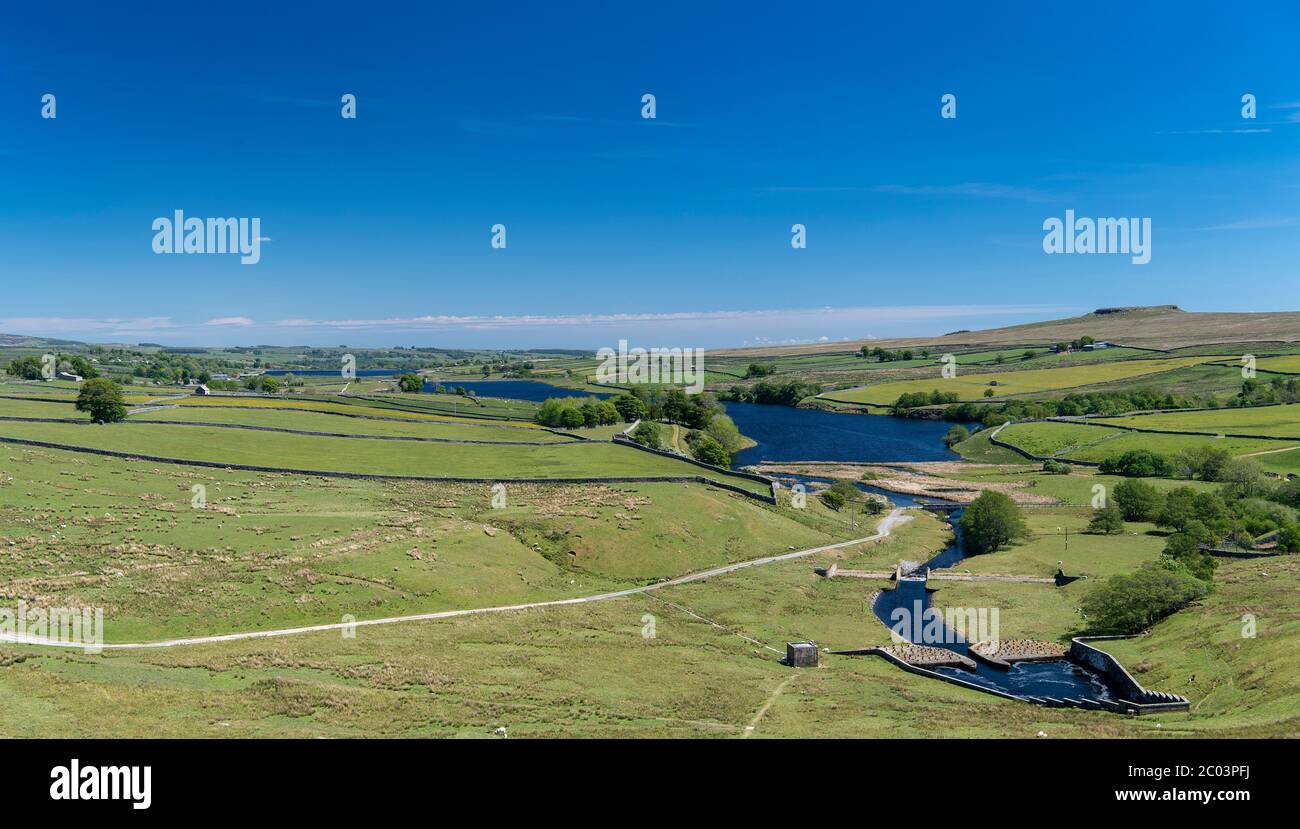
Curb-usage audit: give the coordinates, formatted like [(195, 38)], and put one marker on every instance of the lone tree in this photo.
[(410, 382), (1137, 500), (1109, 520), (103, 399), (991, 522)]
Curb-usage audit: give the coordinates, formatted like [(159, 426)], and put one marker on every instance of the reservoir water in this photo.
[(784, 433), (530, 390)]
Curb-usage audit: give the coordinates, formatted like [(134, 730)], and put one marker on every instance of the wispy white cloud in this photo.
[(718, 328), (81, 325), (1255, 224), (877, 314), (1236, 131), (969, 189)]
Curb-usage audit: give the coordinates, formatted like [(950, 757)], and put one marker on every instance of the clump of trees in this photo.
[(28, 368), (842, 492), (770, 393), (410, 382), (576, 412), (955, 436), (31, 367), (1243, 477), (647, 434), (883, 355), (991, 522), (630, 408), (1137, 463), (1055, 467), (916, 399), (707, 449), (102, 398), (1135, 601), (1255, 392)]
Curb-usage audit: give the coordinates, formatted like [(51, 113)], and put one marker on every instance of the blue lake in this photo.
[(531, 390), (785, 433)]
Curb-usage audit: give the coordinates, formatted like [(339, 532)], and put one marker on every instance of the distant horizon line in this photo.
[(722, 328)]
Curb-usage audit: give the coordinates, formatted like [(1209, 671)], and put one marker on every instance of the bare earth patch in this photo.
[(920, 479)]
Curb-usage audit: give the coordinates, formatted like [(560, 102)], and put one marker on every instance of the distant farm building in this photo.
[(801, 654), (202, 388), (64, 375)]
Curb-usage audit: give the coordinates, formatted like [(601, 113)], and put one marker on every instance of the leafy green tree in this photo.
[(1184, 547), (103, 399), (1108, 520), (550, 412), (1243, 478), (410, 383), (723, 429), (571, 417), (28, 368), (1133, 602), (630, 407), (1288, 538), (647, 434), (991, 522), (1204, 462), (708, 450), (78, 365), (955, 435), (1137, 500), (1137, 463), (606, 413), (1288, 493), (833, 498)]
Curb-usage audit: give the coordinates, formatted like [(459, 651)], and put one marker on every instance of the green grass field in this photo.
[(971, 386), (1288, 364), (1282, 421), (446, 428), (269, 550), (1057, 540), (691, 661), (377, 457), (1081, 442)]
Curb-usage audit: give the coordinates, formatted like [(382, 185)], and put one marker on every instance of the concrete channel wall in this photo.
[(1139, 700)]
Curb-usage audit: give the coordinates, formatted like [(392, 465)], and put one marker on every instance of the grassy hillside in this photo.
[(237, 446), (1156, 327), (271, 550), (1006, 383)]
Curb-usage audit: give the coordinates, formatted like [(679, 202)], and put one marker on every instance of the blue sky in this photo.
[(673, 231)]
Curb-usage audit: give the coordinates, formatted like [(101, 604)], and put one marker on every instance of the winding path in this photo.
[(883, 529)]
